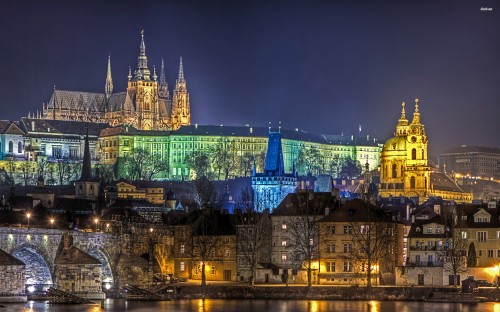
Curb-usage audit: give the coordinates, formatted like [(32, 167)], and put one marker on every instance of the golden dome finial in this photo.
[(416, 105), (403, 110)]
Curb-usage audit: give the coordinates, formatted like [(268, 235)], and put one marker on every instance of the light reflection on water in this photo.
[(247, 305)]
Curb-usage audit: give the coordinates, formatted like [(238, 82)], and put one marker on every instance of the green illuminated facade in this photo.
[(238, 148)]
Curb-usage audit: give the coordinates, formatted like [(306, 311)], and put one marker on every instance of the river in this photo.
[(249, 305)]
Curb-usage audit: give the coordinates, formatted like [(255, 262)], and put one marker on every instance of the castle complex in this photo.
[(146, 104)]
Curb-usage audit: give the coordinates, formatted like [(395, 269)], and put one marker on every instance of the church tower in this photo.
[(143, 90), (404, 169), (181, 114), (87, 187), (108, 89)]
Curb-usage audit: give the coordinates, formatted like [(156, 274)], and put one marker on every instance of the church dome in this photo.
[(397, 143)]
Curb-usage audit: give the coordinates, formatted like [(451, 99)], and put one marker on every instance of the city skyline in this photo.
[(321, 67)]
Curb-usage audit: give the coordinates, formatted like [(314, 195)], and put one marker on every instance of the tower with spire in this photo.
[(271, 186), (143, 91), (87, 187), (108, 89), (181, 112), (404, 168)]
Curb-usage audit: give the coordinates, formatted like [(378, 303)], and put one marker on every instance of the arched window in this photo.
[(414, 154), (394, 171), (11, 147), (19, 147), (412, 182)]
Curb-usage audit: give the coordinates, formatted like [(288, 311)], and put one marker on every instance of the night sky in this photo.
[(320, 66)]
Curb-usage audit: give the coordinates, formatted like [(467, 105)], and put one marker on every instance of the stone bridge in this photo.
[(37, 248)]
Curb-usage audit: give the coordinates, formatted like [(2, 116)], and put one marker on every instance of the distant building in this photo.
[(471, 161)]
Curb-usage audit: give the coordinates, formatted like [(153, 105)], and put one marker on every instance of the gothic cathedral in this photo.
[(146, 105)]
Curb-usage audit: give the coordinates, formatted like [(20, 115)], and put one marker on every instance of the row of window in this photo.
[(331, 266)]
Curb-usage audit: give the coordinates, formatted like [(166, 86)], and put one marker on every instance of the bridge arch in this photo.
[(107, 272), (39, 267)]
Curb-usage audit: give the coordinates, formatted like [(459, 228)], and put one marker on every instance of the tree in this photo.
[(224, 158), (199, 162), (350, 168), (142, 165), (63, 168), (456, 245), (28, 172), (300, 212), (205, 193), (246, 164), (372, 234), (253, 232), (309, 160)]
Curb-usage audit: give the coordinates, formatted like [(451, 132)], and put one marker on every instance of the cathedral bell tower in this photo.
[(404, 169), (181, 113), (143, 90)]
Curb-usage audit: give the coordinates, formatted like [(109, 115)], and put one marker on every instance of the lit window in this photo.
[(283, 226), (283, 243), (183, 248), (181, 267), (226, 253), (283, 257)]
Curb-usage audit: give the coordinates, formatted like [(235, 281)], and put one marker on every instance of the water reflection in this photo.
[(248, 305)]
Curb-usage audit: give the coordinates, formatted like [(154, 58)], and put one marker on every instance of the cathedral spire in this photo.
[(163, 89), (402, 127), (109, 80), (403, 116), (142, 72), (181, 72)]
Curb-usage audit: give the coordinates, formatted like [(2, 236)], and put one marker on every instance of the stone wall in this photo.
[(12, 280)]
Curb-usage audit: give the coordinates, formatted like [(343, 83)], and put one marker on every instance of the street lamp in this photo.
[(28, 215), (96, 222), (107, 227), (52, 222)]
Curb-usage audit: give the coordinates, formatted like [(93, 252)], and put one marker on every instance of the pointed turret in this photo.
[(154, 73), (181, 111), (142, 72), (109, 80), (402, 127), (86, 164), (163, 89), (181, 72), (416, 115)]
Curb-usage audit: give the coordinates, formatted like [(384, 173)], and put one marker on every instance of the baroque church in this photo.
[(145, 105), (405, 169)]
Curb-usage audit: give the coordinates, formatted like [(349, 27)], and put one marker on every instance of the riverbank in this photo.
[(320, 292)]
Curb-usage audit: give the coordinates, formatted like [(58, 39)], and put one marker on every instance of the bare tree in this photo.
[(205, 193), (350, 168), (224, 158), (143, 165), (63, 168), (199, 162), (456, 245), (28, 171), (253, 244), (373, 233), (302, 210)]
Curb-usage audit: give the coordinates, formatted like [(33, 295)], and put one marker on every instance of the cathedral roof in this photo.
[(443, 182), (305, 203), (397, 143)]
